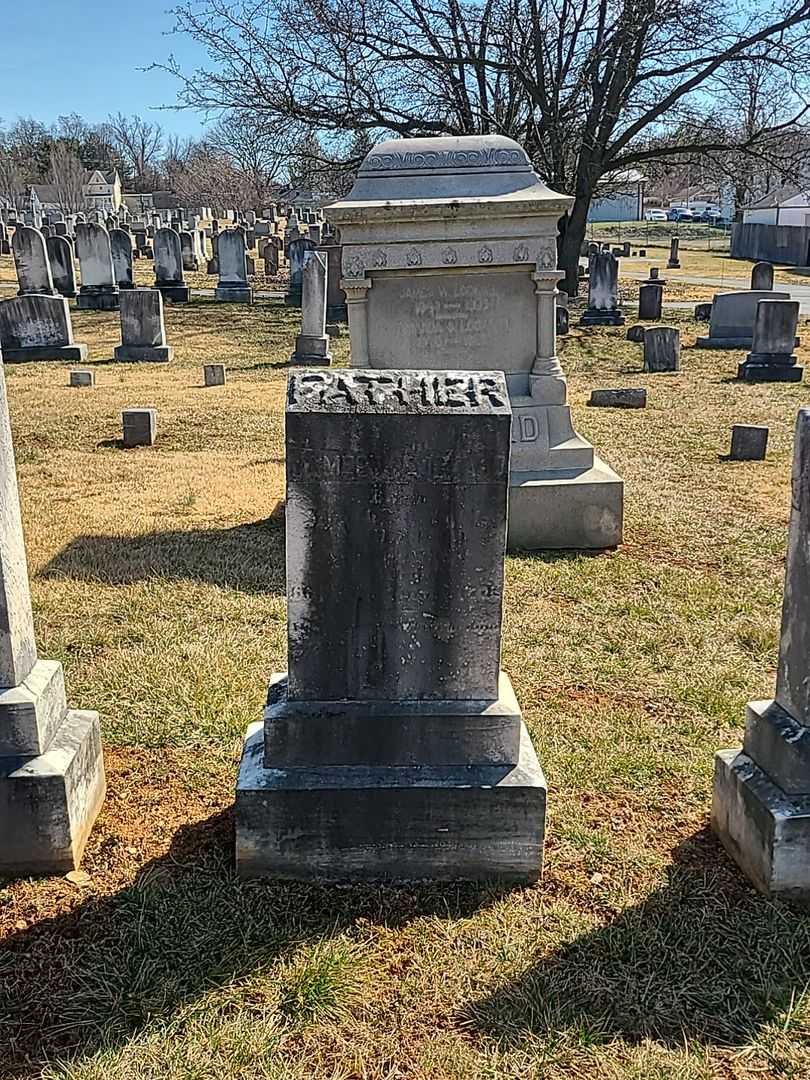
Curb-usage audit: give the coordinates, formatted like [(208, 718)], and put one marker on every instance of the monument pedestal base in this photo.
[(179, 294), (238, 295), (312, 350), (362, 823), (566, 508), (157, 354), (48, 803), (69, 353), (596, 317), (765, 831), (97, 298), (781, 369)]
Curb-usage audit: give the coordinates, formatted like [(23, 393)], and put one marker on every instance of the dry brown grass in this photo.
[(157, 579)]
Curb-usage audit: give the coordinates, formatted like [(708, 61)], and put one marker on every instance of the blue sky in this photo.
[(62, 56)]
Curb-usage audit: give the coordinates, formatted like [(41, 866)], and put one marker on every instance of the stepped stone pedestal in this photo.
[(394, 746), (51, 768), (761, 807)]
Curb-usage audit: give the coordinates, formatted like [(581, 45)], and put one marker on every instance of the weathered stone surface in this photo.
[(233, 284), (650, 302), (299, 249), (143, 332), (31, 261), (82, 378), (762, 276), (733, 317), (189, 254), (18, 652), (169, 277), (761, 808), (312, 344), (99, 291), (214, 374), (121, 250), (394, 715), (748, 442), (673, 262), (772, 358), (604, 308), (38, 328), (140, 427), (60, 256), (636, 333), (703, 312), (662, 349), (629, 398)]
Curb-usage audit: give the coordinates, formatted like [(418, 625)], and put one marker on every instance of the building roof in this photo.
[(778, 197)]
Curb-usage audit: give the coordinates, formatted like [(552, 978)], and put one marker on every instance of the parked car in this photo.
[(682, 213), (712, 217), (655, 215)]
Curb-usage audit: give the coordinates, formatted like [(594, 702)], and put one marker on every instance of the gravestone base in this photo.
[(362, 823), (48, 803), (98, 298), (179, 294), (597, 317), (158, 354), (576, 508), (764, 830), (292, 298), (238, 294), (68, 353), (760, 367), (312, 350)]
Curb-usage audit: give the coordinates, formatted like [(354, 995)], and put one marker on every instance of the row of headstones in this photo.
[(39, 327)]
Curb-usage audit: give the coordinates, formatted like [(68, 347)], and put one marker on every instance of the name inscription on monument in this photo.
[(396, 391)]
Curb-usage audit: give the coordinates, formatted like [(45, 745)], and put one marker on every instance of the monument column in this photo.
[(357, 304), (51, 768), (547, 380)]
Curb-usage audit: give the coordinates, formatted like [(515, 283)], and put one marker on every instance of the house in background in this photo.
[(102, 190), (623, 198), (42, 197), (787, 205)]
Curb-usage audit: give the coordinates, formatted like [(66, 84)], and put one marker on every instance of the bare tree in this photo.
[(68, 176), (139, 143), (589, 87), (255, 147)]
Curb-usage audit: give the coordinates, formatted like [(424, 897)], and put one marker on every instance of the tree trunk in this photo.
[(571, 242)]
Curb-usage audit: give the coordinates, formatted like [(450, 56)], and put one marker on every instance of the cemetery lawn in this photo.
[(158, 580)]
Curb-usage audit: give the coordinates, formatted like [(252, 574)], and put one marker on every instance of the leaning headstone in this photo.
[(394, 746), (772, 358), (139, 427), (31, 260), (189, 254), (312, 344), (51, 764), (121, 248), (82, 378), (673, 262), (99, 290), (63, 270), (662, 348), (650, 302), (298, 251), (733, 316), (233, 286), (603, 308), (630, 398), (169, 277), (748, 442), (762, 794), (214, 374), (38, 328), (762, 276), (143, 332)]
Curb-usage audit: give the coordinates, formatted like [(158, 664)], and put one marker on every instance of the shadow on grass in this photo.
[(248, 557), (94, 977), (704, 960)]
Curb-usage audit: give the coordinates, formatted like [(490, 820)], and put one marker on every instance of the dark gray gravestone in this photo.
[(603, 291), (761, 806), (650, 302), (143, 331), (60, 254), (121, 250), (662, 348), (394, 747), (772, 358), (762, 275), (748, 442), (624, 398)]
